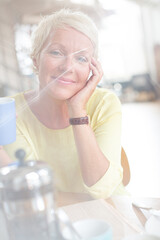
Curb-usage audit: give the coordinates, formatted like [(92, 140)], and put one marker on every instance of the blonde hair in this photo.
[(61, 19)]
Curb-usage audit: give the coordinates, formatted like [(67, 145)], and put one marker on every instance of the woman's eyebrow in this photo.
[(56, 45), (53, 45)]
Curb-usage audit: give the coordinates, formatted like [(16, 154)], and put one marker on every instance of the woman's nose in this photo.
[(67, 64)]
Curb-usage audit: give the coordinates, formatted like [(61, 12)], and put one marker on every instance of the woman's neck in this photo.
[(51, 112)]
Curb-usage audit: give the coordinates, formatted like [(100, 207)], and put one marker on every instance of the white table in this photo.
[(117, 211)]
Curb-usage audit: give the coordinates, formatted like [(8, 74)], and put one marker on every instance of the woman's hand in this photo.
[(77, 103)]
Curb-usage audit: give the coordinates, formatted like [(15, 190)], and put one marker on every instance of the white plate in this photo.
[(152, 226), (140, 202)]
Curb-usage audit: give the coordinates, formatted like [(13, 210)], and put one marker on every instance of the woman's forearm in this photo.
[(93, 163)]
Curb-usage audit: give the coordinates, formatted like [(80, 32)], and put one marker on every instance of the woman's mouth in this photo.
[(66, 81)]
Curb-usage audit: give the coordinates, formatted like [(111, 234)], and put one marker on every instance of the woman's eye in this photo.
[(82, 59), (56, 53)]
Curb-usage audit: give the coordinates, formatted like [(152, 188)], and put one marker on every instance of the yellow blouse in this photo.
[(57, 147)]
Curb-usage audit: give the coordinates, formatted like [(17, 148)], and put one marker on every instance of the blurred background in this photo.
[(129, 50)]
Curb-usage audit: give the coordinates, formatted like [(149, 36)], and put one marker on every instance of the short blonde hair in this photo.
[(61, 19)]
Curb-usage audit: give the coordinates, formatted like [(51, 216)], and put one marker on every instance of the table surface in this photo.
[(131, 215), (118, 210)]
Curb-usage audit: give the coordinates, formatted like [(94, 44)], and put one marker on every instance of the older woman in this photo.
[(54, 126)]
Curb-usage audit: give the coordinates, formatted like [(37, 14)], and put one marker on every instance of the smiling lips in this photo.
[(65, 81)]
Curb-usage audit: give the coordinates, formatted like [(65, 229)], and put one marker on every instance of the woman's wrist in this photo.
[(76, 113), (79, 121)]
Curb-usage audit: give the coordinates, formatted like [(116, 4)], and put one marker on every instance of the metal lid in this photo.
[(23, 179)]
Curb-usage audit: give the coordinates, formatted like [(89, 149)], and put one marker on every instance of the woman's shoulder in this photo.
[(103, 104), (23, 95), (23, 99), (22, 106), (103, 96), (19, 97), (104, 92)]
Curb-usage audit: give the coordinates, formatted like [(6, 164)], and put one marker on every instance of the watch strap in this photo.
[(79, 121)]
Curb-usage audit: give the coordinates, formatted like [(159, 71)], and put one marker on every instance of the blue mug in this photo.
[(7, 120)]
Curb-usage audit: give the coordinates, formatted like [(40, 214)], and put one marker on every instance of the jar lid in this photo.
[(21, 180)]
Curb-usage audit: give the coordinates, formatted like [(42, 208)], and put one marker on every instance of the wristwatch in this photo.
[(79, 121)]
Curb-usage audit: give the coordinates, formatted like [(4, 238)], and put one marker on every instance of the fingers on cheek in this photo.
[(95, 72), (97, 65), (100, 72), (94, 68)]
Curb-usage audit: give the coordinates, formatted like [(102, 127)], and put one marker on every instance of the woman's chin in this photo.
[(60, 95)]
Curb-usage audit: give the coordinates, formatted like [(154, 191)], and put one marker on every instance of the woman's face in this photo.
[(63, 64)]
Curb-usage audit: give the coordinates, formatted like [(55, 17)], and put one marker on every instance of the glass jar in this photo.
[(27, 198)]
